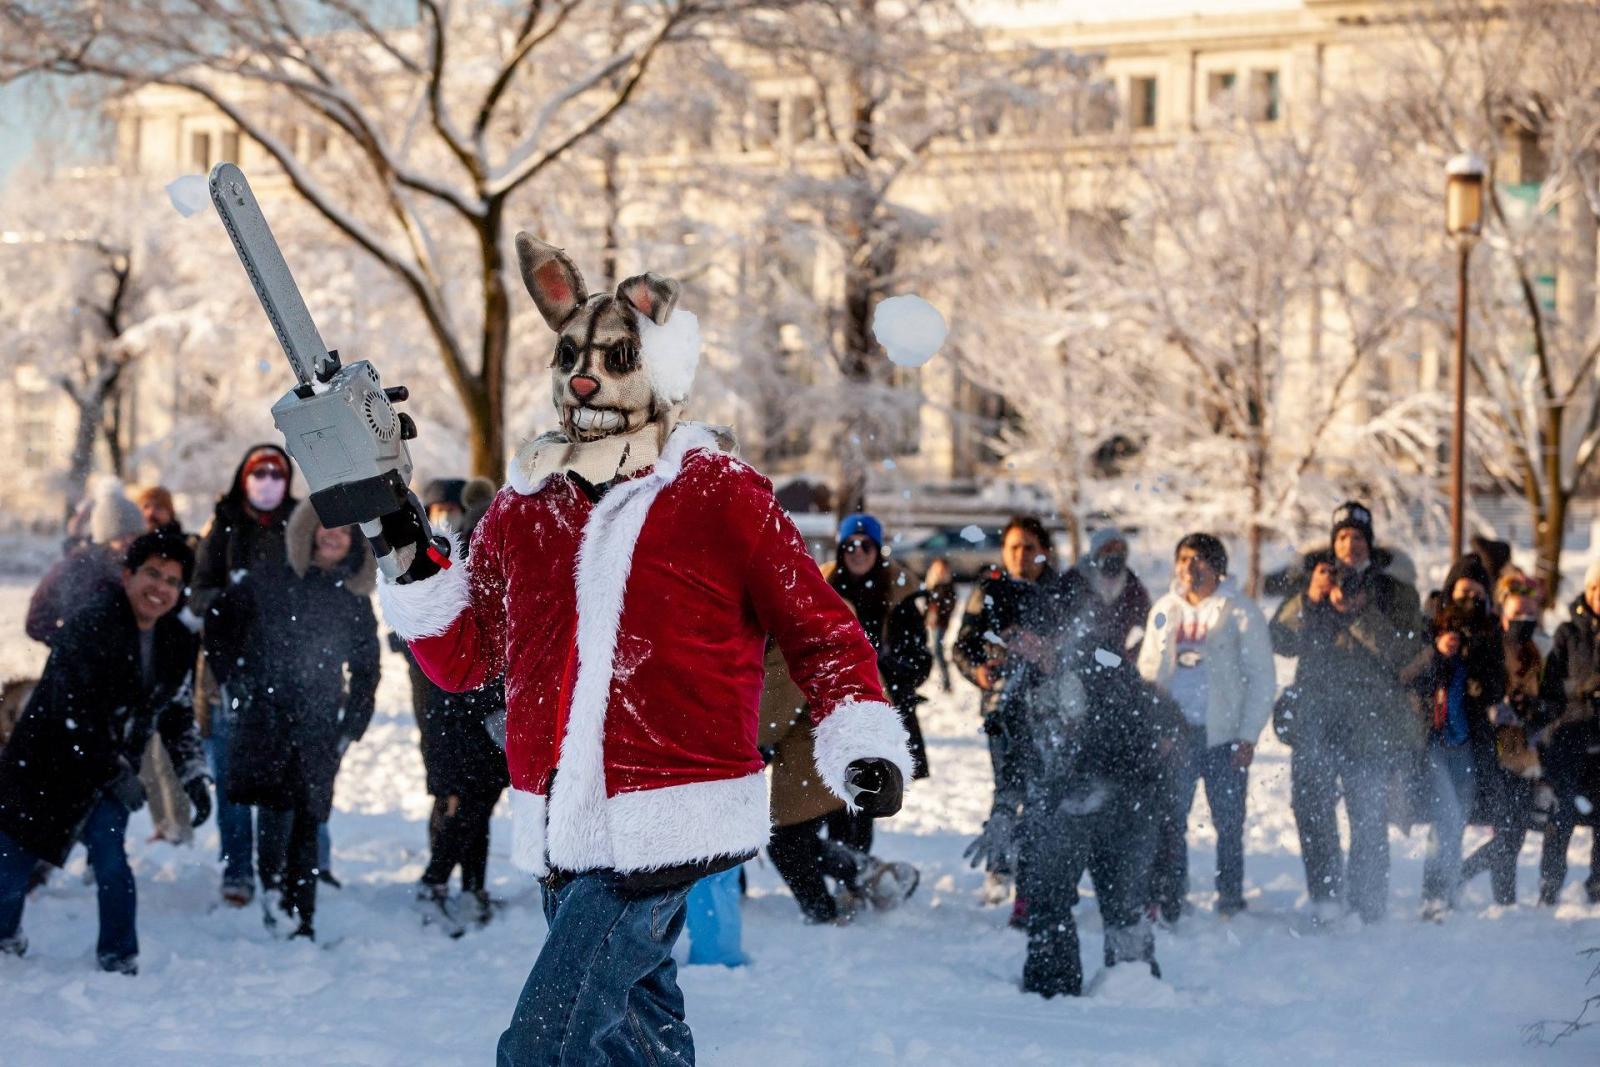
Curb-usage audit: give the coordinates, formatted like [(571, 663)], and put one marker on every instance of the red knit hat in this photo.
[(265, 457)]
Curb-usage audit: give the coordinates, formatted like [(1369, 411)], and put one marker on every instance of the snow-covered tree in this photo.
[(443, 125)]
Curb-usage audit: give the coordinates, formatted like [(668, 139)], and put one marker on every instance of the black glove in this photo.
[(875, 785), (407, 528), (126, 789), (199, 790)]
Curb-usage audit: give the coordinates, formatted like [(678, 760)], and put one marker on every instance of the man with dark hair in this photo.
[(119, 670), (1352, 629), (1009, 646), (1206, 646)]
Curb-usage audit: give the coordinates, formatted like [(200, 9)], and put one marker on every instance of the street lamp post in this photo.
[(1464, 177)]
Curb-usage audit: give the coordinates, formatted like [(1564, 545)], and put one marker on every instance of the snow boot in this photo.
[(15, 945), (432, 903), (327, 878), (128, 965), (1054, 967), (305, 931), (888, 885)]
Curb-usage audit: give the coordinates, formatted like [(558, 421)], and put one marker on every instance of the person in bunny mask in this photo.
[(625, 581)]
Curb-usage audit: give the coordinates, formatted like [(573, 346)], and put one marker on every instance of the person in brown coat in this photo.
[(810, 826)]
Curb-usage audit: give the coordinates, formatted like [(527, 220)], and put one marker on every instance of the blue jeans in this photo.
[(104, 835), (1451, 785), (234, 823), (1225, 794), (604, 989)]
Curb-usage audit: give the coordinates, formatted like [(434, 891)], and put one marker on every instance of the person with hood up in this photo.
[(1206, 645), (1568, 737), (1009, 645), (1351, 629), (1459, 679), (245, 534), (281, 640), (466, 767), (1095, 774), (120, 670), (1509, 781), (1106, 601)]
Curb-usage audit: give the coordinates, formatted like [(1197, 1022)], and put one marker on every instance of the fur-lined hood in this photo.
[(359, 569)]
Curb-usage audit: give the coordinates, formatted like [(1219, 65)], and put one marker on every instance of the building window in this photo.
[(766, 122), (1219, 87), (803, 119), (1142, 103), (1265, 103), (230, 146), (200, 151)]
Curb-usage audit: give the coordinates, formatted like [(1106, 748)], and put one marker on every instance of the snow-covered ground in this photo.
[(935, 983)]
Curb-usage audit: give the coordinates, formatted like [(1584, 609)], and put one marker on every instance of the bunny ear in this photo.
[(552, 279), (651, 295)]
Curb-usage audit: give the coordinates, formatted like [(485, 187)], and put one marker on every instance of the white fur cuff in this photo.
[(860, 730), (426, 608), (527, 832)]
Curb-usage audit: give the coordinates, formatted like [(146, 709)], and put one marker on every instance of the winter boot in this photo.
[(238, 894), (433, 904), (1132, 944), (15, 945), (304, 931), (327, 879), (888, 885), (1054, 967), (128, 965)]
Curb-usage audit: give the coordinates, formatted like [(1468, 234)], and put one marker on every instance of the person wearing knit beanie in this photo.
[(115, 520), (155, 502)]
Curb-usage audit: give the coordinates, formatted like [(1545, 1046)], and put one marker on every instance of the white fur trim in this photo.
[(670, 354), (859, 730), (527, 474), (654, 828), (527, 831), (578, 827), (427, 608)]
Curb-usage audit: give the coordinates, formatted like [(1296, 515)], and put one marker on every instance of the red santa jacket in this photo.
[(631, 633)]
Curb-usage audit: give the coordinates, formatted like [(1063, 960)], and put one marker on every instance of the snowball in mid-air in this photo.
[(189, 194), (973, 534), (670, 354), (910, 329)]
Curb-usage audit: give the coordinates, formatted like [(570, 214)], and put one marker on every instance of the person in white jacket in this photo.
[(1206, 645)]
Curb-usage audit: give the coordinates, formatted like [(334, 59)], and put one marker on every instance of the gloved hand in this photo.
[(874, 785), (993, 847), (417, 553), (199, 790), (126, 789)]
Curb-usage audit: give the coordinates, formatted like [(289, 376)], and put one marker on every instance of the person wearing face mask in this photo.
[(245, 533), (282, 640), (1351, 628), (1010, 645), (1508, 781), (1106, 601), (1206, 646), (1458, 679), (1568, 738)]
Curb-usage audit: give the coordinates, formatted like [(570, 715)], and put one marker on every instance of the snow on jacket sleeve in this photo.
[(827, 652), (455, 621)]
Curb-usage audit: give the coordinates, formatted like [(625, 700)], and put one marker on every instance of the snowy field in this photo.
[(935, 983)]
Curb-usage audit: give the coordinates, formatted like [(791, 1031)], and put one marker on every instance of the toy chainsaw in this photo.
[(338, 422)]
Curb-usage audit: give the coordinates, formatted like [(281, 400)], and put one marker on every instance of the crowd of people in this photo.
[(241, 664)]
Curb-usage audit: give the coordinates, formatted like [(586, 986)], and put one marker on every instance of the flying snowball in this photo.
[(189, 194), (973, 534), (910, 329)]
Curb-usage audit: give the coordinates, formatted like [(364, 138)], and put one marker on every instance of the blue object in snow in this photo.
[(715, 926)]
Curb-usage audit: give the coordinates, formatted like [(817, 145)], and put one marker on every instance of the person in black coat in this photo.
[(280, 641), (1105, 601), (465, 765), (1096, 765), (1459, 679), (1568, 737), (247, 528), (119, 671)]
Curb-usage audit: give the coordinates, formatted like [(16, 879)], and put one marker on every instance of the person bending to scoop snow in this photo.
[(625, 581)]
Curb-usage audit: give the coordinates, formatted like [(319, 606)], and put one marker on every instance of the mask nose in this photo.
[(583, 386)]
